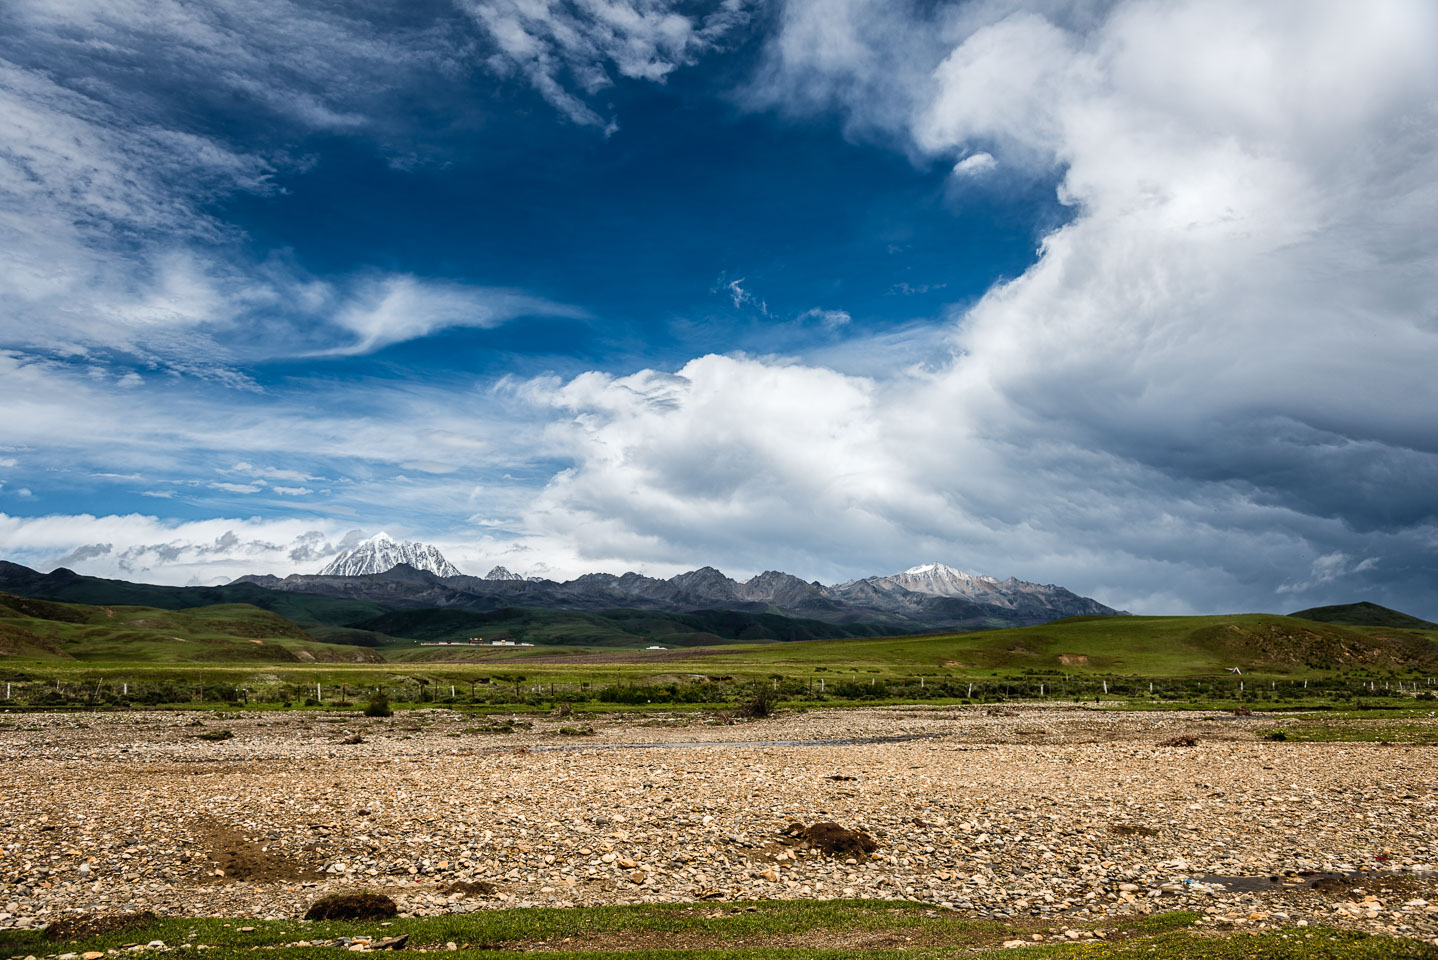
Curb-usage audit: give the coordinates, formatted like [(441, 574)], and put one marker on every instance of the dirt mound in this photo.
[(88, 925), (479, 888), (242, 858), (1073, 659), (833, 839), (1179, 742), (1384, 886), (353, 906)]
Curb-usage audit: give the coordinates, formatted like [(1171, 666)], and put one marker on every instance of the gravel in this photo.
[(1062, 813)]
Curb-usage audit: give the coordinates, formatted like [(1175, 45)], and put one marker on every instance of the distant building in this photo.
[(656, 648), (472, 642)]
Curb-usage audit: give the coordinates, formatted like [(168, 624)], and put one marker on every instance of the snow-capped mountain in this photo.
[(942, 580), (381, 553), (1011, 596), (926, 597)]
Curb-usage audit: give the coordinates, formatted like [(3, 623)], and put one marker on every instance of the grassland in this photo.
[(45, 630), (762, 930), (74, 654)]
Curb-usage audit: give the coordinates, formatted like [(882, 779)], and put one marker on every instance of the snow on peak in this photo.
[(502, 573), (382, 552), (942, 580), (941, 569)]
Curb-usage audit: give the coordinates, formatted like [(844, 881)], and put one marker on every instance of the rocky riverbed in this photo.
[(1057, 813)]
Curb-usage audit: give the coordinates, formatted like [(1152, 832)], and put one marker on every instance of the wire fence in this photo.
[(111, 692)]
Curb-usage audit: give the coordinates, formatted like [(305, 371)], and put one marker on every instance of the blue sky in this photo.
[(1134, 297)]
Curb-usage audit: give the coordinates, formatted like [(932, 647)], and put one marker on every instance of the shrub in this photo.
[(378, 706), (761, 702), (353, 906)]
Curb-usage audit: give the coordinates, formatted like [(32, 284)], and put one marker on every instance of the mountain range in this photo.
[(930, 596)]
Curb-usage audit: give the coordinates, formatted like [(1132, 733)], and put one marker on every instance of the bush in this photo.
[(352, 906), (378, 706), (761, 702)]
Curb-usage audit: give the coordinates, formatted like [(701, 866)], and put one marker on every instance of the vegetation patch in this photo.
[(89, 925), (763, 930), (353, 906)]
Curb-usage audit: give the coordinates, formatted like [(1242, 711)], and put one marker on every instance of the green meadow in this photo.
[(761, 930), (66, 654)]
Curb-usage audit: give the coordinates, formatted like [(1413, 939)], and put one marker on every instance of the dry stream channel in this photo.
[(1043, 812)]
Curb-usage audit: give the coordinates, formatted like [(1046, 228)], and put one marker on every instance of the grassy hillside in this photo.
[(69, 587), (234, 632), (1364, 614), (1146, 646), (609, 628)]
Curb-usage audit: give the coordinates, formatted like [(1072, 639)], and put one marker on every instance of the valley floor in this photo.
[(1046, 816)]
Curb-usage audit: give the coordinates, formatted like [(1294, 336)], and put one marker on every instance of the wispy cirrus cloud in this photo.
[(569, 50), (110, 243), (398, 308)]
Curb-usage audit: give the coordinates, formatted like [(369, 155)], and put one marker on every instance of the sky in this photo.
[(1137, 297)]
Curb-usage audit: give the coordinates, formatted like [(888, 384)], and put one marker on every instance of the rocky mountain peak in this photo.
[(382, 553)]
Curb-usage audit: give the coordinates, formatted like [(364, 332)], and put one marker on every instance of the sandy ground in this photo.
[(1043, 812)]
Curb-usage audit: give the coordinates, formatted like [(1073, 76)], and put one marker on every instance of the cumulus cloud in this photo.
[(1212, 388), (571, 49), (1216, 373)]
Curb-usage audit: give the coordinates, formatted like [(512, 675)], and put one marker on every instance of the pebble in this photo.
[(1043, 812)]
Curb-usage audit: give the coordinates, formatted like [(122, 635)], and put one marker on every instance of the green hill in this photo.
[(232, 632), (608, 628), (1144, 646), (70, 587), (1364, 614)]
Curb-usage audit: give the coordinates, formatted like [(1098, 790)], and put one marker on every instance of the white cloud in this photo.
[(1217, 372), (570, 49), (108, 239), (833, 319), (975, 165), (292, 491), (270, 473), (255, 487), (741, 297), (400, 308), (150, 549), (342, 440)]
